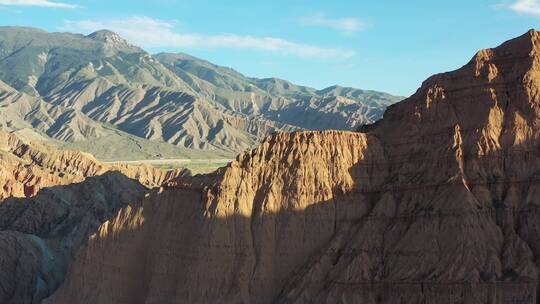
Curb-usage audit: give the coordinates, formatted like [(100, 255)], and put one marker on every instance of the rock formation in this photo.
[(64, 197), (40, 235), (435, 203)]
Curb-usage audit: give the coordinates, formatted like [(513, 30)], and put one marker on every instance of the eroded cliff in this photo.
[(436, 203)]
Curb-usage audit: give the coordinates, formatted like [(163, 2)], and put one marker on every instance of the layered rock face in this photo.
[(436, 203)]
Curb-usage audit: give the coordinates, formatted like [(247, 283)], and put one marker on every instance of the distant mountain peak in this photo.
[(106, 35), (198, 104), (110, 38), (533, 33)]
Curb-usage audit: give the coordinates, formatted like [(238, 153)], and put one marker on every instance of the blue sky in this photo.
[(390, 46)]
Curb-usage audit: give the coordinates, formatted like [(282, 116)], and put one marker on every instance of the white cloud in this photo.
[(42, 3), (348, 25), (154, 33), (526, 7)]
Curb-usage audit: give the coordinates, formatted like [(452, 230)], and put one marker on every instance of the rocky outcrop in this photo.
[(436, 203), (456, 218)]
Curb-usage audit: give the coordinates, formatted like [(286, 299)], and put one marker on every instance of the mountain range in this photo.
[(100, 94)]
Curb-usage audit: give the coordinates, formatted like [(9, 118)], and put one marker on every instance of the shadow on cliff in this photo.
[(175, 248), (39, 235), (357, 247)]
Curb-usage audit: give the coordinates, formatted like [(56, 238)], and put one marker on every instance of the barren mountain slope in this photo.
[(279, 100), (436, 203), (63, 126), (40, 235), (237, 241)]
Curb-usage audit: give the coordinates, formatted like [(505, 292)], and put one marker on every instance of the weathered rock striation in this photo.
[(435, 203), (236, 240)]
